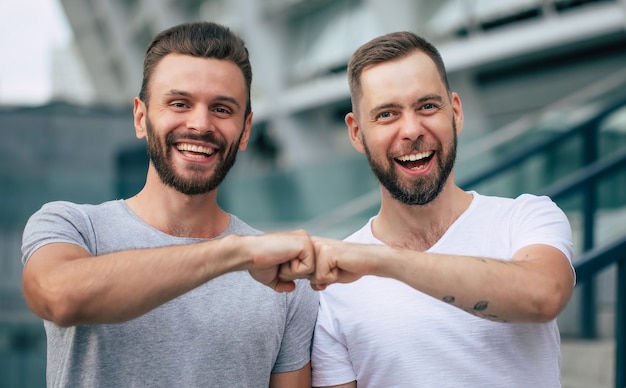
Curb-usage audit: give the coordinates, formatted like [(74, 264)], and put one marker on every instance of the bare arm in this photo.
[(64, 284), (533, 287), (296, 379)]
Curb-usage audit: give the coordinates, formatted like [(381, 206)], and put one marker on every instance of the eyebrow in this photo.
[(429, 97), (177, 92)]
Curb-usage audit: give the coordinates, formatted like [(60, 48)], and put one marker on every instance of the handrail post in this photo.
[(620, 325), (590, 203), (588, 294)]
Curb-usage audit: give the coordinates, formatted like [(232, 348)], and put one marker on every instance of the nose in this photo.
[(411, 127), (199, 119)]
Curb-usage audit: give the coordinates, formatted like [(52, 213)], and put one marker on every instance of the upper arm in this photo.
[(300, 378), (553, 270), (38, 278), (547, 260), (543, 236)]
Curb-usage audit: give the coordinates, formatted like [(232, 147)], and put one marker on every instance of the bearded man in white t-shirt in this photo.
[(443, 287)]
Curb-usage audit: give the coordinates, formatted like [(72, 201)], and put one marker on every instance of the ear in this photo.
[(139, 114), (245, 136), (457, 108), (354, 131)]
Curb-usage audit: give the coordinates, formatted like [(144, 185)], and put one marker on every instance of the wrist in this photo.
[(229, 253)]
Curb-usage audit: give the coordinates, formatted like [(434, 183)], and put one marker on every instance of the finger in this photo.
[(302, 265), (326, 271), (286, 272), (305, 263)]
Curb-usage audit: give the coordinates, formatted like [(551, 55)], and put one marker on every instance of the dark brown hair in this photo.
[(198, 39), (387, 48)]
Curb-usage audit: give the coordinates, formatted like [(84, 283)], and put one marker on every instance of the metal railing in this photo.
[(589, 265), (594, 259)]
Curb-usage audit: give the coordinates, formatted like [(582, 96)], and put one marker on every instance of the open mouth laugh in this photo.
[(415, 161), (195, 151)]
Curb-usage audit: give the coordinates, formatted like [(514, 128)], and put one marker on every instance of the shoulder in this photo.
[(526, 214), (70, 208), (526, 211), (528, 219), (58, 212), (57, 221), (63, 221), (524, 201)]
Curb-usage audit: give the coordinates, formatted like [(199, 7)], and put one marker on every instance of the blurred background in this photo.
[(543, 85)]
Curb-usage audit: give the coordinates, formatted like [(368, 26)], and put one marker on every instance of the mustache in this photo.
[(419, 145), (208, 137)]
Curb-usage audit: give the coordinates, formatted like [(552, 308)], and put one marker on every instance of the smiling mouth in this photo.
[(195, 151), (415, 161)]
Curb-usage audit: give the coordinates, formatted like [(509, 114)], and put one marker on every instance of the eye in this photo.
[(222, 111), (385, 116), (178, 105), (429, 108)]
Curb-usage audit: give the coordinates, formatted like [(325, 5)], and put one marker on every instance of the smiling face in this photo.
[(194, 121), (406, 123)]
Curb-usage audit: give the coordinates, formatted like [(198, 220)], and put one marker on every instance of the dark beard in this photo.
[(160, 161), (423, 190)]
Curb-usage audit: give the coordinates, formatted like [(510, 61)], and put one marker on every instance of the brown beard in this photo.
[(422, 191), (160, 157)]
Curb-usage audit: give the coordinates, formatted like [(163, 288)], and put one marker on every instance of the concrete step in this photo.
[(588, 363)]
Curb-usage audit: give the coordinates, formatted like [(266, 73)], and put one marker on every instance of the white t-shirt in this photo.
[(384, 333)]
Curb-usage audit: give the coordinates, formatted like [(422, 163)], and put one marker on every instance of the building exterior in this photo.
[(510, 61), (506, 59)]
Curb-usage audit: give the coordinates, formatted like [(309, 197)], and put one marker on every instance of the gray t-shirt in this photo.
[(230, 332)]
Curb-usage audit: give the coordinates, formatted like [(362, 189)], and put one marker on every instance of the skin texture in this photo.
[(190, 97), (405, 109)]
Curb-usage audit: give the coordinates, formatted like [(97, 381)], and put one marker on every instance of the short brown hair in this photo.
[(387, 48), (198, 39)]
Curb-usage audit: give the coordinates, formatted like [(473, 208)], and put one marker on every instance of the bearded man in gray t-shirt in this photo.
[(166, 289)]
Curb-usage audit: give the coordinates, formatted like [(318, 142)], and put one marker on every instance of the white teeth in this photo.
[(414, 157), (194, 148)]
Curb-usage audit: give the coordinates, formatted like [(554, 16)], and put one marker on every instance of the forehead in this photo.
[(198, 75), (410, 77)]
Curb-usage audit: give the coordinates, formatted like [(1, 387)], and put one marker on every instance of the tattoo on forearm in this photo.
[(481, 305), (449, 299), (478, 310)]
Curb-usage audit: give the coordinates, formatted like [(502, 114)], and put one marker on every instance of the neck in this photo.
[(419, 227), (177, 214)]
